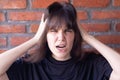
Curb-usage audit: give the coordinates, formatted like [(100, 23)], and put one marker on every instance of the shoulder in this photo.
[(95, 65), (92, 56), (96, 60), (20, 67)]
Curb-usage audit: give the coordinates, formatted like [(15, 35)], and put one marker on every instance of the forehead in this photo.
[(58, 23)]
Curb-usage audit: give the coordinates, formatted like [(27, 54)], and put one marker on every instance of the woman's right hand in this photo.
[(36, 52), (41, 30)]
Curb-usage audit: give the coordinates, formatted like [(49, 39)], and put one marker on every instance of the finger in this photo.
[(42, 18)]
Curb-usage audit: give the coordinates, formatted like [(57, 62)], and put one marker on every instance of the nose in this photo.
[(61, 36)]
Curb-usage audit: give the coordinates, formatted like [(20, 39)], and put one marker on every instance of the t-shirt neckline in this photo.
[(54, 61)]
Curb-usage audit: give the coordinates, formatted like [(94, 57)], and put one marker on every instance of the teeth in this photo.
[(61, 46)]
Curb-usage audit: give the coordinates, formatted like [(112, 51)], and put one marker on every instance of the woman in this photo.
[(60, 57)]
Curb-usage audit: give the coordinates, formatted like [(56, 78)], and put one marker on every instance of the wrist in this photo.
[(34, 40), (87, 38)]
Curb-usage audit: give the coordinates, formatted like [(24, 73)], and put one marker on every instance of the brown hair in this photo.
[(59, 14)]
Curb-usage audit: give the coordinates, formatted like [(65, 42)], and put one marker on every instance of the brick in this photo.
[(12, 28), (43, 3), (24, 16), (117, 49), (118, 27), (106, 14), (12, 4), (90, 50), (34, 28), (96, 27), (2, 17), (109, 39), (87, 49), (2, 42), (91, 3), (116, 2), (18, 40), (82, 15), (2, 50)]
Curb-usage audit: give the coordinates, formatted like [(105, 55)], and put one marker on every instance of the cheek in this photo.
[(71, 39), (50, 40)]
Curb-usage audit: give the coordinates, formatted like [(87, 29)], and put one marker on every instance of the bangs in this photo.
[(59, 20)]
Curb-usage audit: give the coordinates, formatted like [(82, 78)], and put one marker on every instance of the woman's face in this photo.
[(60, 42)]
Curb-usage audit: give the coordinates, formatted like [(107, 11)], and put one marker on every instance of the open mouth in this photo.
[(60, 46)]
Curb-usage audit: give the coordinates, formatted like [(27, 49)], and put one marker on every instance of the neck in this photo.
[(61, 58)]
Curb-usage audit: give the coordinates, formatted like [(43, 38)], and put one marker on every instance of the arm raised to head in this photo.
[(9, 56), (111, 55)]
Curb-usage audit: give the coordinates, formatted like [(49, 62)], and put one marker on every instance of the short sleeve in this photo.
[(17, 70), (103, 68)]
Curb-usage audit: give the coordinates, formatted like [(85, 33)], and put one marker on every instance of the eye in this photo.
[(68, 30), (53, 30)]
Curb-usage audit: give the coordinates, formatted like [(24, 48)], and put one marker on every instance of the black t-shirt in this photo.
[(94, 67)]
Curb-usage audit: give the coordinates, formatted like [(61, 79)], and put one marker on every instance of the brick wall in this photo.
[(19, 20)]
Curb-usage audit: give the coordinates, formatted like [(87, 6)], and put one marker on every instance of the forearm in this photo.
[(8, 57), (4, 77), (111, 55)]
